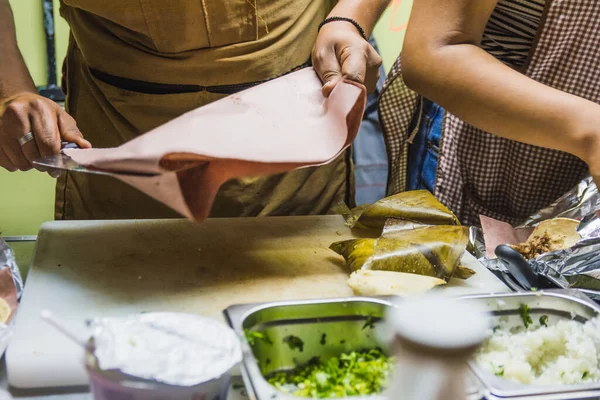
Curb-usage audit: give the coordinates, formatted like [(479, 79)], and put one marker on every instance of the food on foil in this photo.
[(169, 348), (551, 235), (416, 206), (433, 251), (351, 374), (544, 353), (389, 283)]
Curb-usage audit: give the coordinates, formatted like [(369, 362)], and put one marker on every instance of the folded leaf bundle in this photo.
[(431, 251), (417, 206)]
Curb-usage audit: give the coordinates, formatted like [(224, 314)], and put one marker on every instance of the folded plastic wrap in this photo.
[(575, 267), (11, 288), (272, 128)]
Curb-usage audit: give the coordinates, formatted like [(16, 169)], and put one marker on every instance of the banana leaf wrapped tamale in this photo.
[(426, 250), (417, 206)]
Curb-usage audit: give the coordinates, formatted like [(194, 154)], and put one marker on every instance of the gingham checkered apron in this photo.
[(482, 174)]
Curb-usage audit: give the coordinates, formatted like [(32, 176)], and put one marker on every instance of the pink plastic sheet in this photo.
[(272, 128)]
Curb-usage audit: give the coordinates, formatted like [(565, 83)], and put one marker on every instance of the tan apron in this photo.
[(208, 43), (483, 174)]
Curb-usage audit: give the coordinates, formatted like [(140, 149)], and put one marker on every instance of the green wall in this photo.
[(27, 197)]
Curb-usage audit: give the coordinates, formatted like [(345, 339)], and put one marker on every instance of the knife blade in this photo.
[(62, 162)]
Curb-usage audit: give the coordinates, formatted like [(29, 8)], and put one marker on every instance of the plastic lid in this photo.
[(440, 322)]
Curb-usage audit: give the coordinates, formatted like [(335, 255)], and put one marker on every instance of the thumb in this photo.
[(329, 70), (70, 132)]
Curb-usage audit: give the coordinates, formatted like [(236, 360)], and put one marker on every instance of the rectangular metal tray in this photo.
[(342, 321), (557, 304)]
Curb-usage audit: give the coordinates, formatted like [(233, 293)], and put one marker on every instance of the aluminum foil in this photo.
[(577, 267), (581, 201)]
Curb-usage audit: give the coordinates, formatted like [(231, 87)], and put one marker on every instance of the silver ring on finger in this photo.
[(28, 137)]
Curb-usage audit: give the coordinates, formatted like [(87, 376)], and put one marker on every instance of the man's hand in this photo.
[(46, 120), (341, 53)]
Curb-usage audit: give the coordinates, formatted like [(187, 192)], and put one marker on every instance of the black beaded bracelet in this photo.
[(353, 22)]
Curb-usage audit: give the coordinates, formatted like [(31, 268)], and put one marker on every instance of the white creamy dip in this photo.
[(172, 348)]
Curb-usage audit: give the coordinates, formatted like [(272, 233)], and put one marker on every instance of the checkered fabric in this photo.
[(397, 106), (482, 174)]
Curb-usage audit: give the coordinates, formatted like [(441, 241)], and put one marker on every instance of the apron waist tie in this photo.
[(134, 85)]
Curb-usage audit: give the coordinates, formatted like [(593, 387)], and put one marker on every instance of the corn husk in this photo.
[(433, 251), (418, 206)]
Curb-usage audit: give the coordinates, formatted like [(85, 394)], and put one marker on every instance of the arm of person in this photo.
[(340, 51), (22, 110), (441, 60)]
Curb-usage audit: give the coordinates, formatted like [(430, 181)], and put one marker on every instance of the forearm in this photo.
[(484, 92), (14, 76), (365, 12)]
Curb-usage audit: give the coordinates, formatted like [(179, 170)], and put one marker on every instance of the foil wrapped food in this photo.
[(576, 267), (11, 288)]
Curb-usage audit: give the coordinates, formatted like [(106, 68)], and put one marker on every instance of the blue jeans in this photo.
[(423, 153), (369, 154)]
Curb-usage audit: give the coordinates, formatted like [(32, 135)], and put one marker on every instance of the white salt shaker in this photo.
[(433, 338)]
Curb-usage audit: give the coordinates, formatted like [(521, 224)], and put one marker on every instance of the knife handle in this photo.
[(518, 267), (68, 145)]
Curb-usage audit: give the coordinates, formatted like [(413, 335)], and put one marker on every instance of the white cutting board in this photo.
[(110, 268)]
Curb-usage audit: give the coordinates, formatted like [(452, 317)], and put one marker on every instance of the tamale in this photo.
[(463, 273), (356, 252), (416, 206), (433, 251)]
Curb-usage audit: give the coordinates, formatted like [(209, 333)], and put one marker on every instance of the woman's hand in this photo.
[(340, 52), (590, 144), (46, 120)]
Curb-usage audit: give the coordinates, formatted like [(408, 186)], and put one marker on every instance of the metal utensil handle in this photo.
[(68, 145)]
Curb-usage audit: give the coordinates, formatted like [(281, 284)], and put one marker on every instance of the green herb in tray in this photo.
[(350, 374), (294, 343), (253, 336), (525, 316)]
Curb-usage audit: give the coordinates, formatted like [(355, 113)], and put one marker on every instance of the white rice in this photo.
[(567, 352)]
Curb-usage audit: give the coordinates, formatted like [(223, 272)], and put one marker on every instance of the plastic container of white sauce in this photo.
[(159, 356)]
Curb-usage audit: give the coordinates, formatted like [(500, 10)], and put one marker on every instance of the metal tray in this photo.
[(341, 320), (557, 304)]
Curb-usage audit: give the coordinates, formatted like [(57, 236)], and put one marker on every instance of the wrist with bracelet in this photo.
[(344, 19)]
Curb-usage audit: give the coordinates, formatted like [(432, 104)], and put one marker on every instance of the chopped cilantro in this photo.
[(585, 374), (294, 343), (534, 289), (500, 371), (323, 340), (252, 337), (369, 323), (350, 374), (544, 320), (525, 316)]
